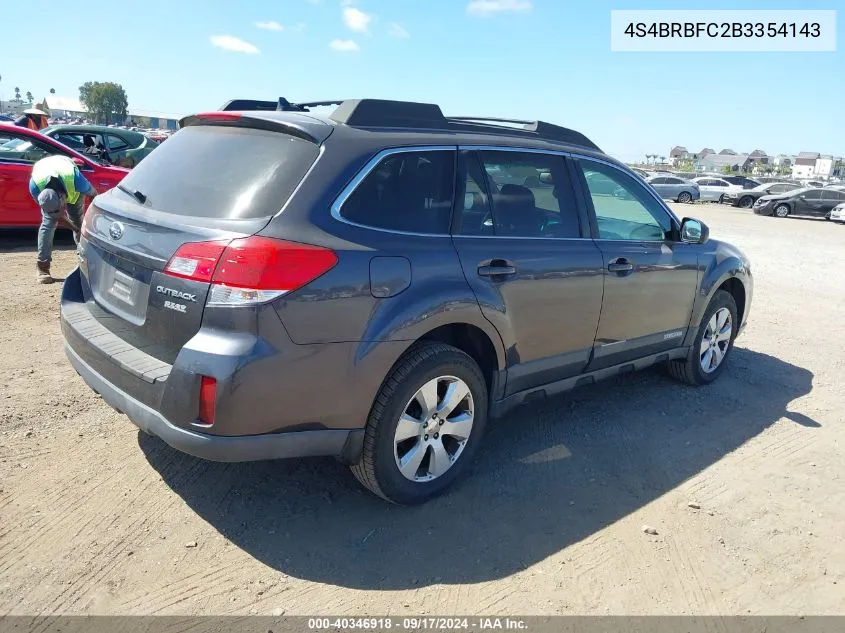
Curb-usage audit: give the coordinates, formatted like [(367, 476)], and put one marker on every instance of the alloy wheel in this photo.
[(716, 339), (433, 429), (684, 197), (746, 202), (781, 210)]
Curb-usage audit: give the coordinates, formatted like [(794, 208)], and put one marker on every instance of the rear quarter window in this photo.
[(407, 191), (223, 172)]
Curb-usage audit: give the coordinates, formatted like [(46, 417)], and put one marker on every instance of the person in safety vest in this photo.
[(58, 187)]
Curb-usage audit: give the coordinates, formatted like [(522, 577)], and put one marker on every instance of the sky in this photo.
[(528, 59)]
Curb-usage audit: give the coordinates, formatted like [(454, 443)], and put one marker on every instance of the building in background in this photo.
[(813, 165), (719, 162)]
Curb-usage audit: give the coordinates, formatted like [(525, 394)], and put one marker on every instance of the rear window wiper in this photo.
[(140, 197)]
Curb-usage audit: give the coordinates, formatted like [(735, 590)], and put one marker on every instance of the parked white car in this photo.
[(837, 214), (714, 189)]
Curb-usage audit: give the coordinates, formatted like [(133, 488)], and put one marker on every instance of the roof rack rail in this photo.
[(383, 113), (540, 128)]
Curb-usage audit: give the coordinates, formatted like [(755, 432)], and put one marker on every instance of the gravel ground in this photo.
[(742, 482)]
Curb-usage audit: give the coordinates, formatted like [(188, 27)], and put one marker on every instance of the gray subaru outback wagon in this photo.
[(375, 283)]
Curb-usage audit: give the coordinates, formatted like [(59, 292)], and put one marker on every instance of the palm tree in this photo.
[(29, 96), (52, 91), (662, 159), (17, 93)]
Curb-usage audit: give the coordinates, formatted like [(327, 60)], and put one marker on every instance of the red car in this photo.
[(19, 149)]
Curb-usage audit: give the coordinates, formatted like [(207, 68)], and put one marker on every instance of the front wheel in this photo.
[(745, 202), (712, 344), (425, 425), (685, 197), (782, 210)]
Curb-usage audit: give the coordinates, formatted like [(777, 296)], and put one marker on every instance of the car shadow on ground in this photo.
[(26, 240), (547, 476)]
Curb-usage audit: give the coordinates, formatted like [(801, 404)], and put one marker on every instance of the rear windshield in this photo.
[(222, 172)]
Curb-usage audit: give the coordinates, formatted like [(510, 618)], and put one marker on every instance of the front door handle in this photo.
[(496, 268), (620, 265)]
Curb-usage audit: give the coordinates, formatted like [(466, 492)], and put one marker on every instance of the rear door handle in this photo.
[(620, 265), (497, 267)]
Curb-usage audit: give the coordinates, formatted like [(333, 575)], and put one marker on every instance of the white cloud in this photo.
[(344, 46), (397, 31), (272, 25), (299, 27), (356, 20), (485, 8), (232, 43), (347, 3)]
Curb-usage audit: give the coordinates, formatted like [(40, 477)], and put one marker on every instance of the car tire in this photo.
[(691, 370), (722, 199), (378, 468), (781, 211), (745, 202), (685, 197)]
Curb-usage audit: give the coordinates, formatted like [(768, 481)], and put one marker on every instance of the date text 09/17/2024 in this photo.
[(418, 624)]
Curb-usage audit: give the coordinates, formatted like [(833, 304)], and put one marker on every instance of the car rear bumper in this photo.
[(260, 413), (344, 444)]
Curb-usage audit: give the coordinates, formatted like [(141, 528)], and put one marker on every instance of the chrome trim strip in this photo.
[(523, 150), (523, 237), (337, 205)]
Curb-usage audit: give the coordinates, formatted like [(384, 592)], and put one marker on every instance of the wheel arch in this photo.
[(730, 275)]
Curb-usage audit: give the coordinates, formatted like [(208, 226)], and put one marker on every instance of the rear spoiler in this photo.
[(311, 131), (281, 105)]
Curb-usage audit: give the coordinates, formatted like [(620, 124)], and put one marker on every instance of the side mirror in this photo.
[(694, 231), (79, 162), (546, 178)]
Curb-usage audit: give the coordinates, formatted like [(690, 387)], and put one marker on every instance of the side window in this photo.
[(115, 143), (73, 141), (778, 188), (674, 181), (720, 183), (660, 181), (837, 195), (813, 194), (705, 183), (530, 196), (624, 210), (407, 191), (22, 149)]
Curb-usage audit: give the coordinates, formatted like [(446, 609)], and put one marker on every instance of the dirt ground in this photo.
[(97, 519)]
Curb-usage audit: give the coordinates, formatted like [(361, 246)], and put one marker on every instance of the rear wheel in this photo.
[(685, 197), (712, 345), (722, 199), (782, 210), (745, 202), (425, 425)]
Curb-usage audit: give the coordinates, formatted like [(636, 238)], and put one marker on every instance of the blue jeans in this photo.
[(49, 221)]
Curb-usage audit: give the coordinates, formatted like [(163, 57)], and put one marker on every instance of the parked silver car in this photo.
[(714, 189), (673, 188)]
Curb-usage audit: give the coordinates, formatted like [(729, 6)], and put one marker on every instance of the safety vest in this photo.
[(59, 167)]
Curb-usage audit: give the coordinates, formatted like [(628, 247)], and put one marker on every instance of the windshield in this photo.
[(794, 192)]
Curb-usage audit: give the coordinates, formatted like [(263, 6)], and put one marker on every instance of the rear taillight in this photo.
[(196, 260), (88, 221), (250, 270)]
